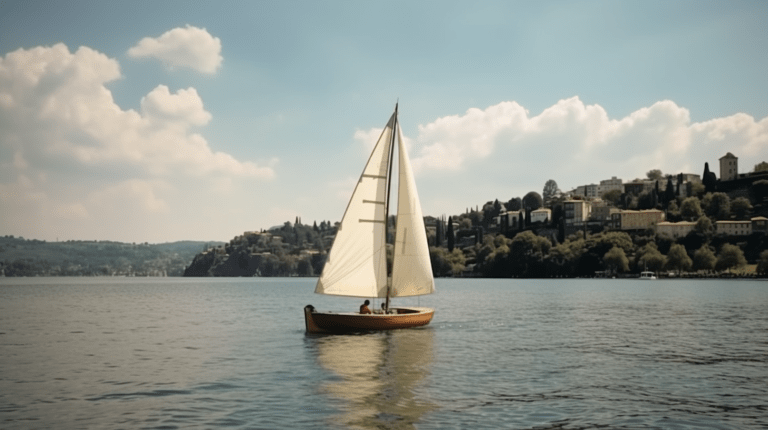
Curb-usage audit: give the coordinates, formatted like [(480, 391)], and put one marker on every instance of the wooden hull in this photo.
[(335, 322)]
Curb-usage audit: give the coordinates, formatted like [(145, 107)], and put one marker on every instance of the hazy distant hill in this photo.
[(21, 257)]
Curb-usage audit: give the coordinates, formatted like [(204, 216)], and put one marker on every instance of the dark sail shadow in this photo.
[(377, 377)]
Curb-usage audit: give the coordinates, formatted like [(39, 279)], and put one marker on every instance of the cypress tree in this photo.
[(709, 179), (451, 237), (669, 193)]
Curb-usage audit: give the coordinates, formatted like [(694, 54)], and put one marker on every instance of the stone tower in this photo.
[(729, 167)]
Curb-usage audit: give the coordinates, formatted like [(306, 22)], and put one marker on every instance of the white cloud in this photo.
[(140, 193), (572, 136), (190, 47), (502, 151), (72, 211), (184, 107), (65, 145)]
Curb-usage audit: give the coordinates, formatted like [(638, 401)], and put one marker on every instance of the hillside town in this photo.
[(682, 224)]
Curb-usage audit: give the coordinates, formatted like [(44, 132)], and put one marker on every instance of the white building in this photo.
[(675, 229), (541, 215)]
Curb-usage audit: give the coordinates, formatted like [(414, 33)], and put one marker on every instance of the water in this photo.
[(538, 354)]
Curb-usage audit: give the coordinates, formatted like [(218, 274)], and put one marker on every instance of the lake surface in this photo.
[(157, 353)]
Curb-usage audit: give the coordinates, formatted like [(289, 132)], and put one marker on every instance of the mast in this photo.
[(386, 207)]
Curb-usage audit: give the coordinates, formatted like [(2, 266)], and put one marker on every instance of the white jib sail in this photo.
[(412, 268), (357, 263)]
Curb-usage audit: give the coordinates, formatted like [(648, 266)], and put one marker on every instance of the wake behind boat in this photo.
[(357, 263)]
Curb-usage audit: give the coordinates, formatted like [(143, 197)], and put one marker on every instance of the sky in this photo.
[(154, 122)]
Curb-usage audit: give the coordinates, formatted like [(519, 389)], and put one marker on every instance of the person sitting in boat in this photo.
[(364, 308)]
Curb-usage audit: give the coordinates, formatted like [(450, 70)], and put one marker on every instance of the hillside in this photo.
[(21, 257)]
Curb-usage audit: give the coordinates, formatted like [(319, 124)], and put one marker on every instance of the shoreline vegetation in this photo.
[(21, 257), (116, 259)]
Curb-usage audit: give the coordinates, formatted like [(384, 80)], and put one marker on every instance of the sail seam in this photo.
[(372, 220), (374, 202)]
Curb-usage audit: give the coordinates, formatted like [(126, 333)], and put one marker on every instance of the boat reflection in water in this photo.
[(377, 377)]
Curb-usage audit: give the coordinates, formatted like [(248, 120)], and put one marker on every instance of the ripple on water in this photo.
[(179, 353)]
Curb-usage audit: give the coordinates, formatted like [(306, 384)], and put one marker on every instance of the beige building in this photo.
[(733, 228), (576, 211), (729, 167), (541, 215), (636, 220), (760, 223), (601, 211), (610, 184), (590, 191), (675, 229)]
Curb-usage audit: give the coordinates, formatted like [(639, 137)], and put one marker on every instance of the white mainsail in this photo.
[(357, 262), (412, 268)]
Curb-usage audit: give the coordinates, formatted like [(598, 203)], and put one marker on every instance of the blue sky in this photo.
[(179, 120)]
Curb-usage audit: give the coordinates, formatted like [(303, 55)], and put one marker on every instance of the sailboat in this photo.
[(357, 262)]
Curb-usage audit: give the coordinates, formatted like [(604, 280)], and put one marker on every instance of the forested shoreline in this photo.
[(31, 257)]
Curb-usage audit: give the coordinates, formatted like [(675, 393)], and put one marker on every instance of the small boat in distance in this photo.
[(647, 275), (357, 262)]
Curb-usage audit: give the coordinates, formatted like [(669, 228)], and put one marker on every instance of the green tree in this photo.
[(550, 191), (678, 259), (740, 208), (690, 209), (649, 257), (602, 242), (514, 204), (616, 260), (526, 252), (304, 267), (646, 200), (563, 258), (698, 189), (760, 189), (708, 179), (654, 174), (704, 259), (527, 242), (730, 256), (612, 196), (717, 205), (704, 225), (762, 263), (673, 211), (532, 201), (446, 263), (669, 192), (451, 235)]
